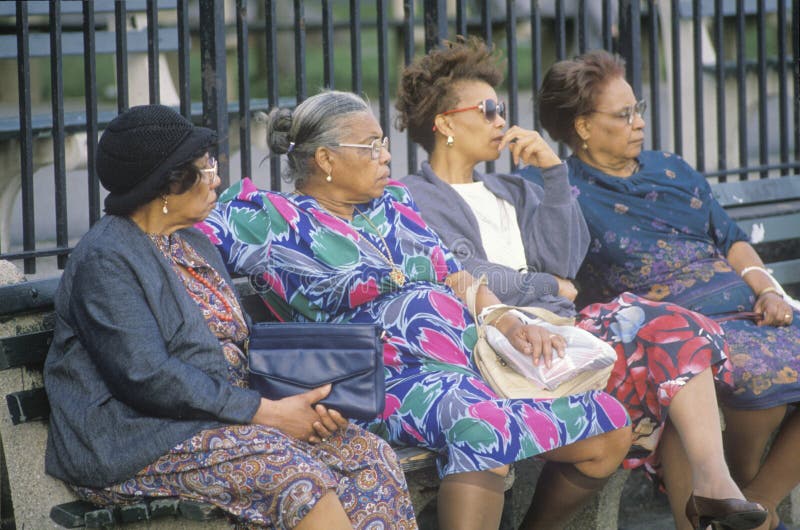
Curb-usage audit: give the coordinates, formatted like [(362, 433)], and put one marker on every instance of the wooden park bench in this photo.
[(768, 210)]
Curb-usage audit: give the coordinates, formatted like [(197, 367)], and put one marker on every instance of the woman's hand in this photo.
[(774, 310), (329, 422), (531, 339), (566, 289), (529, 147), (301, 416)]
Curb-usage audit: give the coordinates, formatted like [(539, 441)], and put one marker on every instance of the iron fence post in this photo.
[(213, 74)]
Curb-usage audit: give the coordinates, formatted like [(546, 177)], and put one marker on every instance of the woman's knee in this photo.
[(617, 444), (598, 456), (607, 453)]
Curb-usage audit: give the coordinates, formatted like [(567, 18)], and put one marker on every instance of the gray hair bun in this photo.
[(279, 125)]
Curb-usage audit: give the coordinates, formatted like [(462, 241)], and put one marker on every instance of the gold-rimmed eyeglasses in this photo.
[(376, 147), (628, 113), (209, 174)]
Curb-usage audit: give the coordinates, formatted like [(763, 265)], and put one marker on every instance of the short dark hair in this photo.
[(569, 90), (426, 85)]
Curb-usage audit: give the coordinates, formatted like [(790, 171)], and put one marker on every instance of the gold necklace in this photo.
[(396, 274)]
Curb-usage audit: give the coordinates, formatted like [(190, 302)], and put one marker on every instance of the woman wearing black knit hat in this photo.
[(146, 375)]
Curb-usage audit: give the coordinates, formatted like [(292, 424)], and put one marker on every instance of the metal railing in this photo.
[(706, 67)]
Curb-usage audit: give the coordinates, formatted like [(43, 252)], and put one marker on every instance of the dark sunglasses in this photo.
[(489, 107)]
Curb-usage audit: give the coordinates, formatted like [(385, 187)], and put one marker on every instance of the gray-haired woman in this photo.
[(146, 375)]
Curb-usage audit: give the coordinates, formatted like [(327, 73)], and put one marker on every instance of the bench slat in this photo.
[(685, 7), (23, 350), (42, 7), (733, 194), (71, 514), (775, 228), (28, 405), (413, 458), (77, 514), (105, 43), (786, 272), (27, 296)]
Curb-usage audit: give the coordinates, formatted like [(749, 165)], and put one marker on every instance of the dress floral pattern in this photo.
[(259, 476), (323, 268), (660, 347), (661, 234)]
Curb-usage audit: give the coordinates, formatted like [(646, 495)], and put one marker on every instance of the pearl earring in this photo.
[(329, 178), (164, 208), (585, 146), (450, 141)]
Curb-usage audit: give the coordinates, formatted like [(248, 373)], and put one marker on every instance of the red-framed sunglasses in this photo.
[(489, 107)]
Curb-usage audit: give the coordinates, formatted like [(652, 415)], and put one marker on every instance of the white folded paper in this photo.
[(583, 352)]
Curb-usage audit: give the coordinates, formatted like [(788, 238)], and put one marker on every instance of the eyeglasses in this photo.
[(209, 174), (628, 113), (489, 107), (376, 147)]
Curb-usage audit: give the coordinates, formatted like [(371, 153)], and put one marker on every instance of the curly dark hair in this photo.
[(426, 85), (569, 90)]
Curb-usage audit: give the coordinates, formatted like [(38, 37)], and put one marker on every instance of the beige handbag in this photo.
[(508, 382)]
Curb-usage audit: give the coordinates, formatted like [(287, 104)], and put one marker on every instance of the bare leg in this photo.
[(746, 435), (471, 501), (326, 513), (695, 415), (780, 471), (572, 476), (676, 474)]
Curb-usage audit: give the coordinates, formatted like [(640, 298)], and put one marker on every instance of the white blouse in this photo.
[(497, 221)]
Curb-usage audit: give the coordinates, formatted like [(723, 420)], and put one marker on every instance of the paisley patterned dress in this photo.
[(318, 267), (259, 476), (661, 234)]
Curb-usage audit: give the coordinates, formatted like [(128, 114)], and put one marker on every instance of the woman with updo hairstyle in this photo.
[(529, 241), (657, 231), (349, 245)]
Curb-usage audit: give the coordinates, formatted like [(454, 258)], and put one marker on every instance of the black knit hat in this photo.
[(138, 150)]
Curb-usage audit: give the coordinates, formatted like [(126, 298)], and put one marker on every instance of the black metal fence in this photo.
[(722, 76)]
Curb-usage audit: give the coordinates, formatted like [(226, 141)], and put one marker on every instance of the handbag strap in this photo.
[(501, 309), (472, 295)]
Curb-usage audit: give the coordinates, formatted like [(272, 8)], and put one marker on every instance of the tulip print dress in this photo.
[(661, 234), (323, 268)]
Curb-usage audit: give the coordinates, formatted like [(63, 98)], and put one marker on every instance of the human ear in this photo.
[(323, 157), (582, 127), (443, 125)]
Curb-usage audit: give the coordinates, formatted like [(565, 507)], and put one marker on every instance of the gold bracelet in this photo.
[(766, 290)]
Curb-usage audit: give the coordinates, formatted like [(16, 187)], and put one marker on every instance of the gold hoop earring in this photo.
[(450, 141), (164, 208), (329, 178)]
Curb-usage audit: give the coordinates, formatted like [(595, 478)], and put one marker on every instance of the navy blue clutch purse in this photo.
[(288, 358)]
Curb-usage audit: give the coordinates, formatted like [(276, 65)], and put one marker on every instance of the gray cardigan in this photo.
[(133, 369), (554, 233)]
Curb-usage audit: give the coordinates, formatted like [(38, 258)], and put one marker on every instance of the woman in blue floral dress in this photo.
[(657, 231), (350, 246)]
